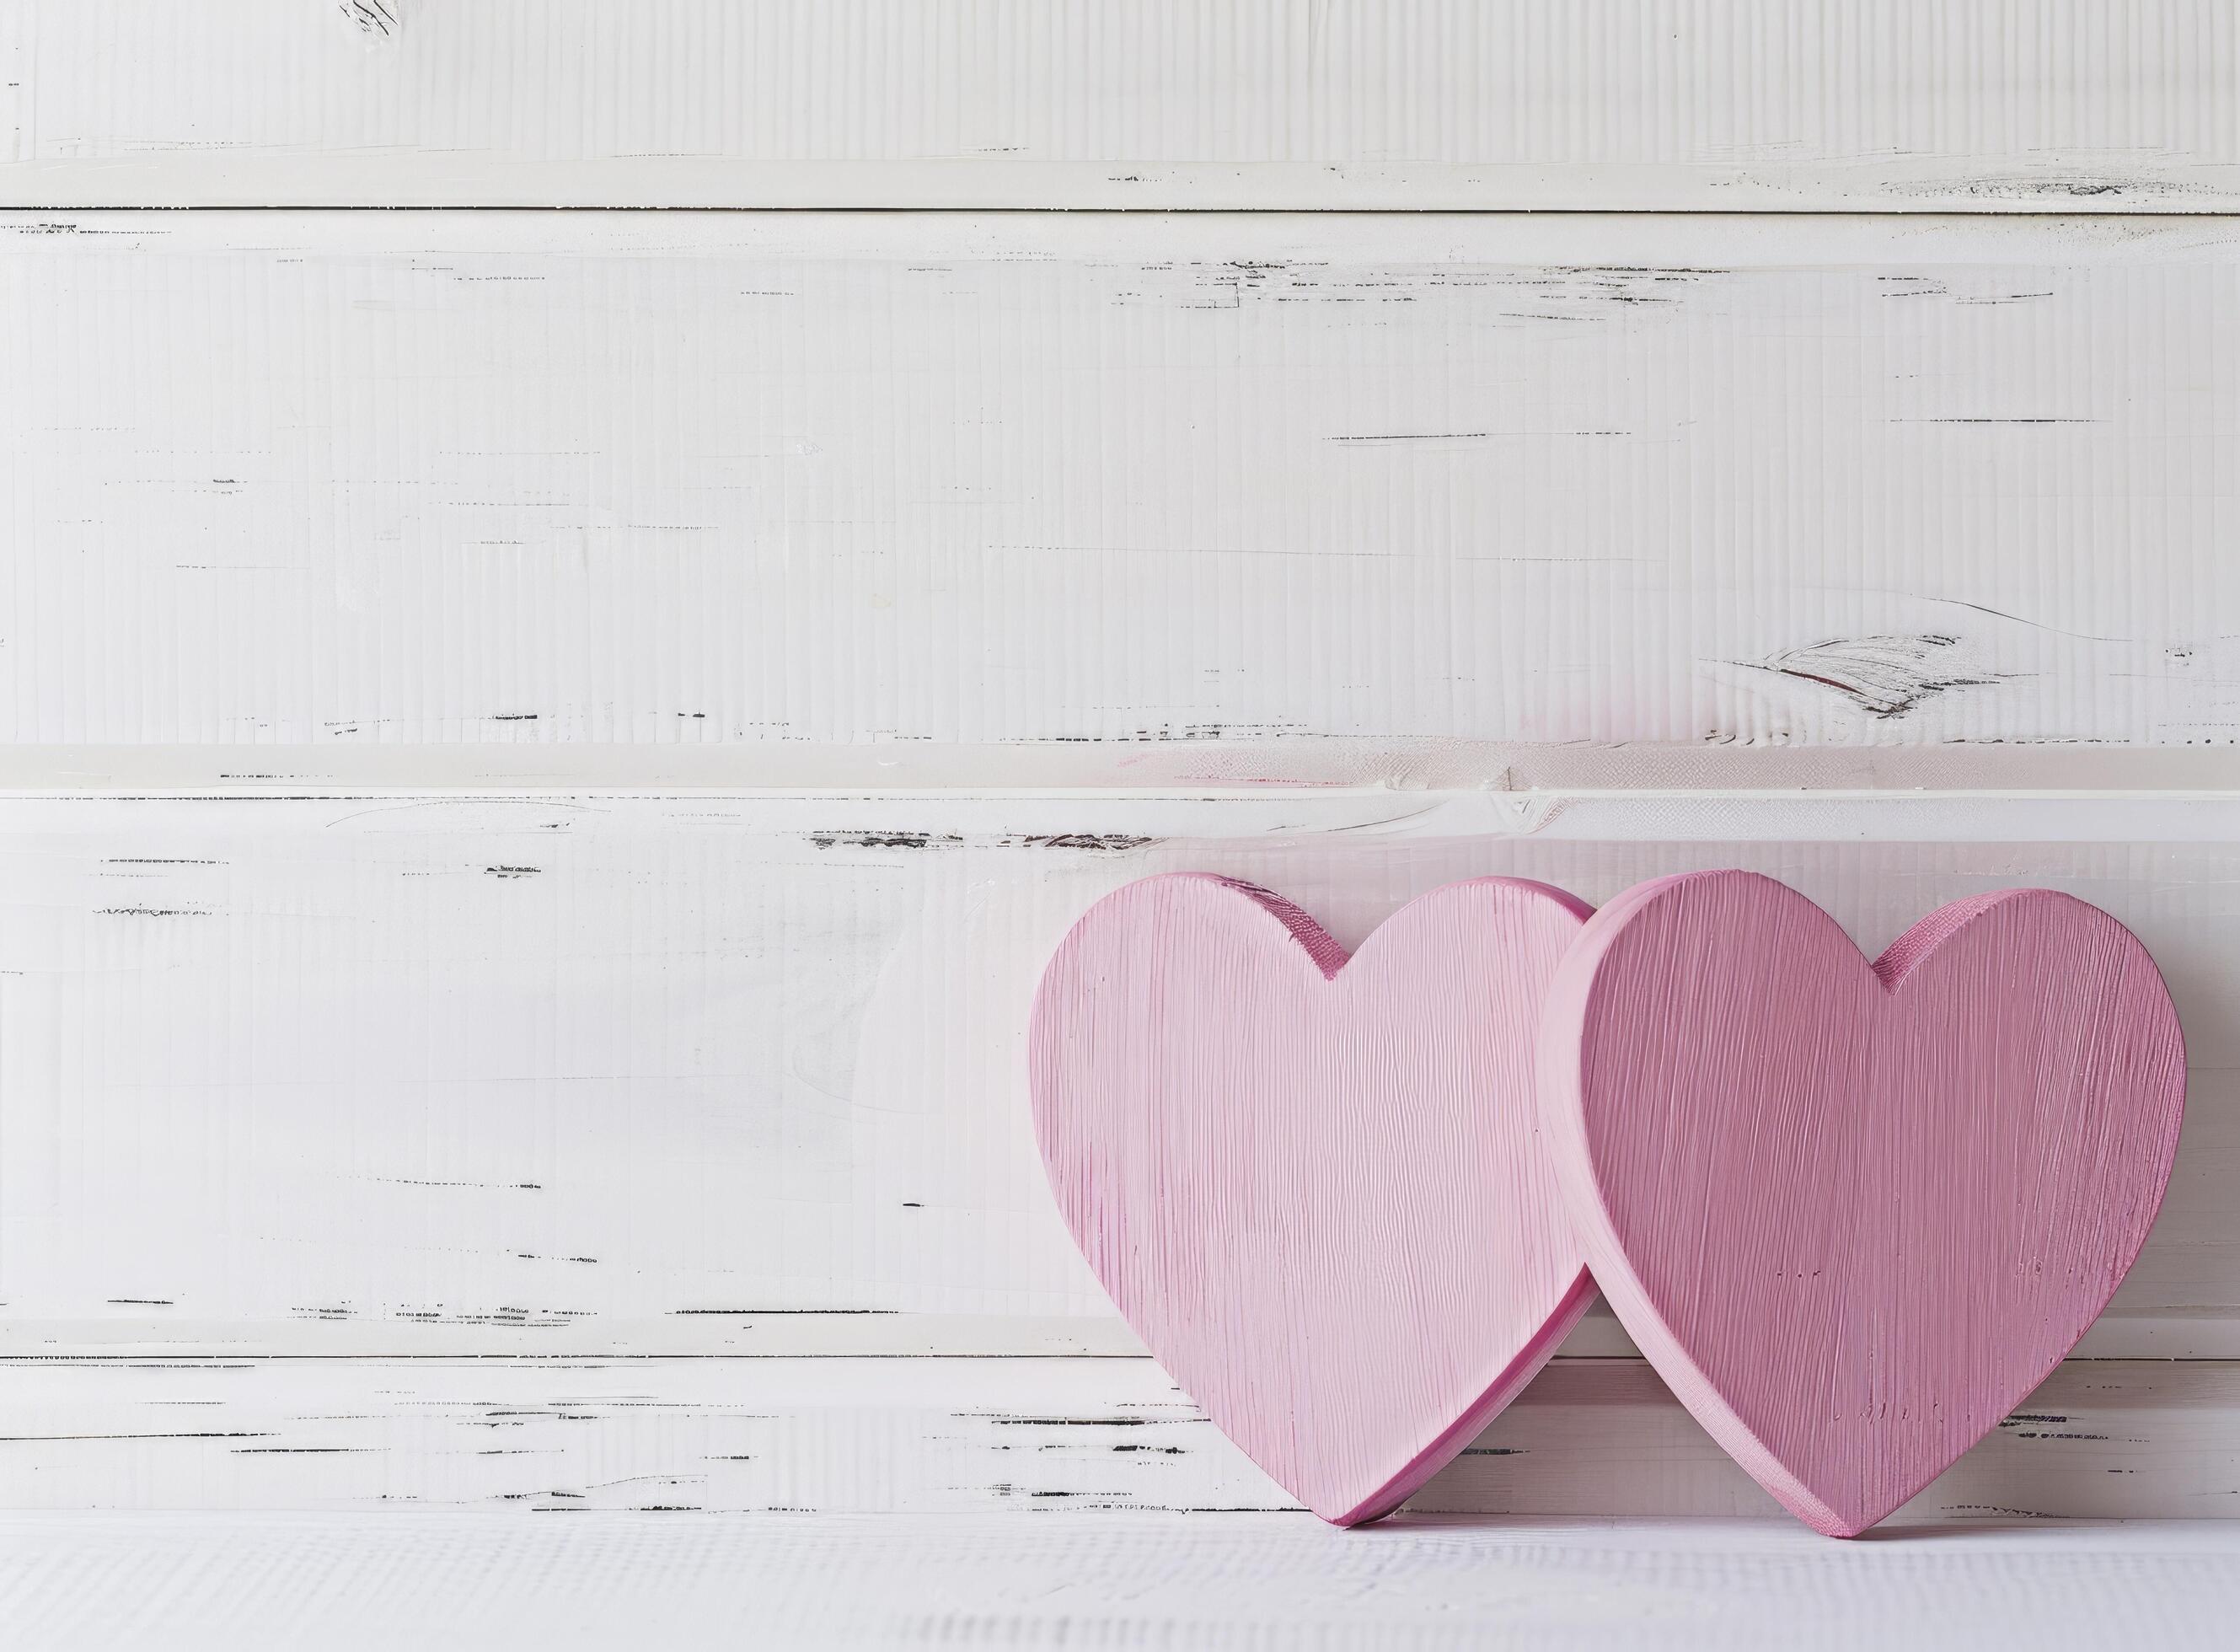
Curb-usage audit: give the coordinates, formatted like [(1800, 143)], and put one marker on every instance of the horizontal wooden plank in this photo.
[(595, 1072), (400, 479), (1895, 104), (122, 1583), (2100, 1438)]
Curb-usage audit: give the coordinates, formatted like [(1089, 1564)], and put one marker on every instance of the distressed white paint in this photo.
[(2099, 1439), (454, 1074), (1722, 104), (885, 549), (400, 478)]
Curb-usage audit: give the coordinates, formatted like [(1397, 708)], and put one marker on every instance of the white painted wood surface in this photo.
[(371, 479), (1901, 105), (1271, 1583), (588, 723), (935, 1436), (600, 1073)]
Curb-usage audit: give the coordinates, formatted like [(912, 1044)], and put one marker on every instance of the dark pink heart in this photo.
[(1855, 1213)]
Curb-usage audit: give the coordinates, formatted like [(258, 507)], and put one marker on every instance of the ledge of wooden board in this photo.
[(2099, 1439), (1891, 105)]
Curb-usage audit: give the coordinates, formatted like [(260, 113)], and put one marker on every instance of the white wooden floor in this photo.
[(117, 1581)]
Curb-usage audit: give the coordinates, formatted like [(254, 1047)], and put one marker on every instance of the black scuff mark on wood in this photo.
[(1100, 842), (1886, 676), (1933, 287), (142, 1302), (1559, 293), (150, 912), (2035, 625), (512, 871), (1093, 842), (513, 716), (375, 19), (1072, 1422), (2000, 1509), (886, 840), (2066, 186), (529, 1318), (2043, 1425), (1238, 1509)]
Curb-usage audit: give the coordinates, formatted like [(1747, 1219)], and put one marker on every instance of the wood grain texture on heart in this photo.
[(1854, 1213), (1314, 1183)]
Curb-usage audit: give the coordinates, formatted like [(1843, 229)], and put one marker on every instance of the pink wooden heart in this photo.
[(1313, 1184), (1854, 1213)]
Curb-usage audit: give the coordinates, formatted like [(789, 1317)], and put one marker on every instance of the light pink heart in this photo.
[(1854, 1213), (1312, 1184)]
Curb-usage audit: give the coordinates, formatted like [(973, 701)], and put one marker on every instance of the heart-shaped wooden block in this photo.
[(1313, 1184), (1854, 1213)]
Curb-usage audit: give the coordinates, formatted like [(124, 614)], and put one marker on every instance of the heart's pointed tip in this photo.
[(1360, 1511), (1829, 1524), (1350, 1518)]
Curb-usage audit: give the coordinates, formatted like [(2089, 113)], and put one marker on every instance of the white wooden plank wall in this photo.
[(590, 1081), (427, 1075), (337, 480), (1902, 105), (540, 754)]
